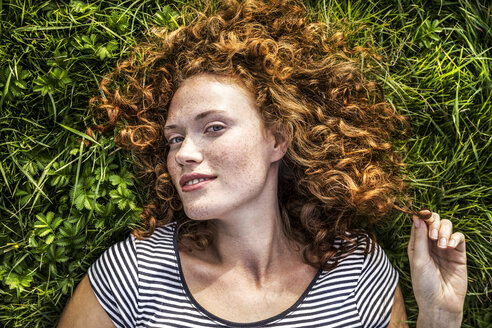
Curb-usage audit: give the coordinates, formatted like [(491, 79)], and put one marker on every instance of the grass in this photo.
[(63, 202)]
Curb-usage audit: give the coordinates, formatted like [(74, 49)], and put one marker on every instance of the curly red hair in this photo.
[(340, 172)]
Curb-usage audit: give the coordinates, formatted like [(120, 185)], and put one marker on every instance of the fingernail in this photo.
[(452, 243), (416, 222), (425, 212), (434, 234), (443, 242)]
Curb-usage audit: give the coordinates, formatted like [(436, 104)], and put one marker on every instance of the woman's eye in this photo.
[(175, 140), (214, 128)]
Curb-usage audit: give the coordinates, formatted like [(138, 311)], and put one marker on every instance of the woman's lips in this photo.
[(196, 186)]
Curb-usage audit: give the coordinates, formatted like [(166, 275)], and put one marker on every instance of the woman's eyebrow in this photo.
[(199, 117)]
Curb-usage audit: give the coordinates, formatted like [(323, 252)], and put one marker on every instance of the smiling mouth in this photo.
[(195, 181), (196, 184)]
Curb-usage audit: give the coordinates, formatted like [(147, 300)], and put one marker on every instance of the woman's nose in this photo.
[(188, 152)]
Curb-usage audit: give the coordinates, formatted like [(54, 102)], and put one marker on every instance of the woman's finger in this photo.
[(418, 248), (425, 214), (457, 241), (445, 231), (411, 242), (418, 222), (434, 223)]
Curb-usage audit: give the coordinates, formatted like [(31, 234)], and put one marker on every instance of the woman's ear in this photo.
[(281, 143)]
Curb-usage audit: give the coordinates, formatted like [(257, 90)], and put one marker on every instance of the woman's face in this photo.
[(220, 155)]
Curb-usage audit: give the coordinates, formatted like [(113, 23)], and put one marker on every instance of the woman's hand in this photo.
[(438, 267)]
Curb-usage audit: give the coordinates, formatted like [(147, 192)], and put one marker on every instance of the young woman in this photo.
[(267, 153)]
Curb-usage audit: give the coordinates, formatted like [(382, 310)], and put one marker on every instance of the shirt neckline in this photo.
[(227, 322)]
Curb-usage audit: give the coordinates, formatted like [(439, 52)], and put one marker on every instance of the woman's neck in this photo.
[(254, 246), (250, 239)]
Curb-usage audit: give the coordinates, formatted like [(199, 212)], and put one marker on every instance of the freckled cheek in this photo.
[(238, 164), (172, 168)]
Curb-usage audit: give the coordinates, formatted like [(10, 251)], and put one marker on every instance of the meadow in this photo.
[(66, 196)]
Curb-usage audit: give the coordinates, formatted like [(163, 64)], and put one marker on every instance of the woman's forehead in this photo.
[(212, 78), (206, 92)]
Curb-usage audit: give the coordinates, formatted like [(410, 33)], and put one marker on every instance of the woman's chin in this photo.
[(200, 213)]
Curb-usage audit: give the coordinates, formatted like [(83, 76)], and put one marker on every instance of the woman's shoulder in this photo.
[(133, 270), (355, 244), (160, 246), (351, 252), (358, 252), (163, 235), (132, 253), (363, 281)]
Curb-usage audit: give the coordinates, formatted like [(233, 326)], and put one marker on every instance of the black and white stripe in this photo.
[(140, 284)]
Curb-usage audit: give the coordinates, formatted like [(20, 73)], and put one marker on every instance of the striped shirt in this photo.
[(139, 283)]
